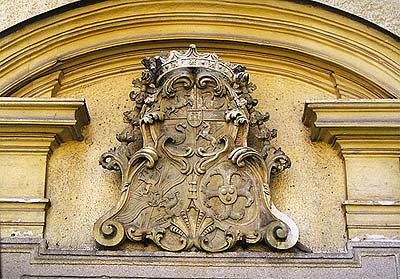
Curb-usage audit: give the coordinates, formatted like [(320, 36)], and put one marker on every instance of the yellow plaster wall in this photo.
[(310, 192), (385, 13), (27, 183)]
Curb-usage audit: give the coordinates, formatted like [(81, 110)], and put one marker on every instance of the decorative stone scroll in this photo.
[(195, 160)]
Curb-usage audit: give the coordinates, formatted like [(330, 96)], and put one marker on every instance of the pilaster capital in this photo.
[(356, 127), (37, 124)]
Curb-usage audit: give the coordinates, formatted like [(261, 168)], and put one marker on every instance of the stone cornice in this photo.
[(356, 126), (35, 123)]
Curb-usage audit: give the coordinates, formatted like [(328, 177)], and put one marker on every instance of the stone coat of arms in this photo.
[(190, 180)]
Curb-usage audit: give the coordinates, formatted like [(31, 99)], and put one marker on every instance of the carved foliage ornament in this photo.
[(190, 180)]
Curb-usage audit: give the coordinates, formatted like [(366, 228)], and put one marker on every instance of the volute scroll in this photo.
[(190, 181)]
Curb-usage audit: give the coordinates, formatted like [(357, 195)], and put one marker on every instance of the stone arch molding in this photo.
[(81, 43)]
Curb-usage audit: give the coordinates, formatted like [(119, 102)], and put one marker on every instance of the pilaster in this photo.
[(30, 128), (367, 134)]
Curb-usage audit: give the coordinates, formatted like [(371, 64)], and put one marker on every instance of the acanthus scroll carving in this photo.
[(189, 178)]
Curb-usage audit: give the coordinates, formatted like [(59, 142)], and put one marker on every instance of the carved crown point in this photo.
[(169, 61)]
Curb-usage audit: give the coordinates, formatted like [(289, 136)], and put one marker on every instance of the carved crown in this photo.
[(167, 62)]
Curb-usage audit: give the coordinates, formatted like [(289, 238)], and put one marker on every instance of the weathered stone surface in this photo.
[(362, 260), (385, 13)]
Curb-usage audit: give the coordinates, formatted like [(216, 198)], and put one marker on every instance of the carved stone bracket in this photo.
[(29, 130), (189, 178), (367, 135)]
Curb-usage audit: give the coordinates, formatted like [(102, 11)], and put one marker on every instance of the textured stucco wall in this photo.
[(385, 13)]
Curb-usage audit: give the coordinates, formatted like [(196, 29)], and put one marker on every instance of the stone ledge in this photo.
[(361, 260), (23, 217), (373, 220)]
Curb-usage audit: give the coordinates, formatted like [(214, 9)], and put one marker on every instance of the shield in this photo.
[(194, 117), (194, 182)]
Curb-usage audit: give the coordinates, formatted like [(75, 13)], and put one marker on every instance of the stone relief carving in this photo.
[(190, 180)]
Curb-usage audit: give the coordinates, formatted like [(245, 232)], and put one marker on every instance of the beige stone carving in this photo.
[(189, 178)]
